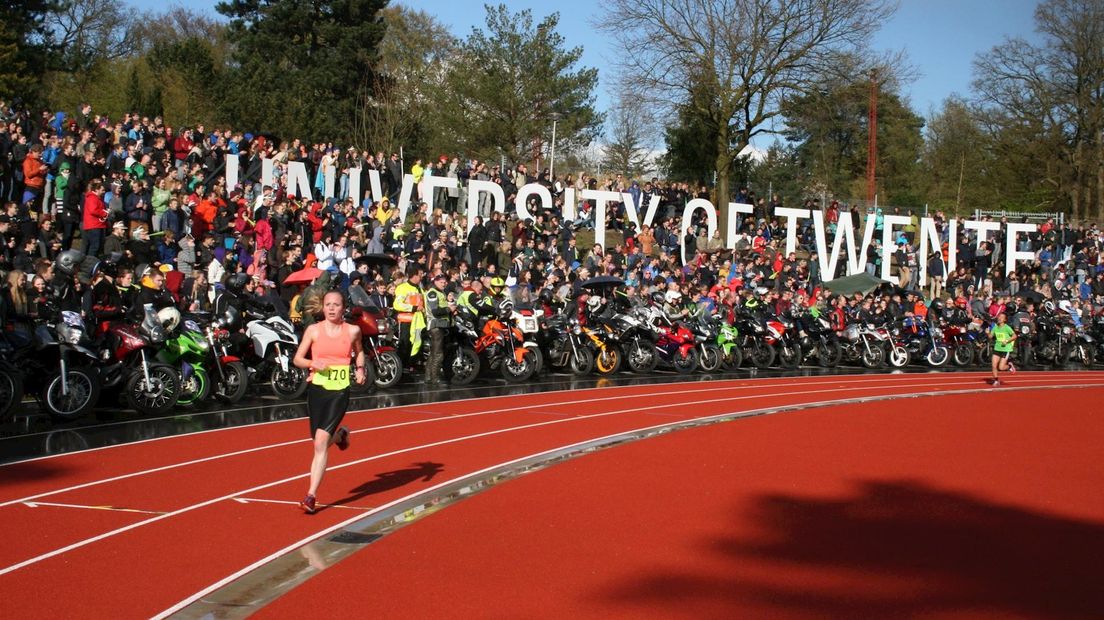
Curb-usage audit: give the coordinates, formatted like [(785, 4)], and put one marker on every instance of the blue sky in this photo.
[(941, 37)]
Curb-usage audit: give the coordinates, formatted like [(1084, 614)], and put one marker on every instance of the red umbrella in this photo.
[(303, 276)]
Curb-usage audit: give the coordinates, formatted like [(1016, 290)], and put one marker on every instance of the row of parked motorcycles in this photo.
[(164, 361), (518, 343), (158, 364)]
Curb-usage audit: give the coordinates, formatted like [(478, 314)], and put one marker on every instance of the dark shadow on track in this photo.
[(932, 551), (389, 480)]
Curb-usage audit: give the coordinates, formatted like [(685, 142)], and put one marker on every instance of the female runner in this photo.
[(1004, 340), (326, 350)]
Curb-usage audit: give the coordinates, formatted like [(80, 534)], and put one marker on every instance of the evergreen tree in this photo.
[(301, 65), (507, 82)]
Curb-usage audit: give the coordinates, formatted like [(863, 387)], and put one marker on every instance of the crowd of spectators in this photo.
[(145, 196)]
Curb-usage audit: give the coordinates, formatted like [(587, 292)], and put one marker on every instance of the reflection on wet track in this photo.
[(32, 434)]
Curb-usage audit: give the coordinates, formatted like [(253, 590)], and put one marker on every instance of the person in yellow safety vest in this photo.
[(409, 306), (471, 296)]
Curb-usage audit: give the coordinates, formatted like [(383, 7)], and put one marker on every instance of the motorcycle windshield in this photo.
[(151, 325)]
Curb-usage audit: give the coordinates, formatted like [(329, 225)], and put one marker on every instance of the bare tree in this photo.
[(751, 53), (1053, 95), (628, 147)]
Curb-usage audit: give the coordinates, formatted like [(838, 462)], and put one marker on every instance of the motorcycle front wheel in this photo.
[(732, 358), (289, 384), (159, 395), (874, 357), (11, 394), (464, 366), (608, 360), (789, 357), (963, 355), (1085, 355), (388, 369), (829, 354), (710, 358), (195, 388), (938, 357), (641, 359), (234, 384), (581, 362), (761, 356), (685, 364), (82, 394), (515, 371), (899, 357)]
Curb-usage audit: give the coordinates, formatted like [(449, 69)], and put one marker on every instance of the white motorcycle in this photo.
[(274, 343), (528, 321)]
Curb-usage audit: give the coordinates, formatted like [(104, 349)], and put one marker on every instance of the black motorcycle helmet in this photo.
[(936, 306), (69, 262), (236, 283), (546, 297)]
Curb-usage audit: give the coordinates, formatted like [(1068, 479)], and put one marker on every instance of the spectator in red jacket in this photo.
[(95, 219), (181, 146)]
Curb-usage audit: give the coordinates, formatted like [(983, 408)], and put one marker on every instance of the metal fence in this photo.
[(1058, 216)]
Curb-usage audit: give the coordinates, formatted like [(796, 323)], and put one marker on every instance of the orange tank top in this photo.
[(327, 350)]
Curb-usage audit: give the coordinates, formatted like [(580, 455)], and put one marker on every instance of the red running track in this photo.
[(970, 506), (69, 559)]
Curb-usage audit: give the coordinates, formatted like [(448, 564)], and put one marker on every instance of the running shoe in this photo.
[(308, 504), (996, 382), (343, 438), (1011, 368)]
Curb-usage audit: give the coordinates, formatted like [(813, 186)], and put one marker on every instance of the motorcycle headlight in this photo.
[(578, 330), (67, 334), (938, 332), (699, 338), (203, 345), (1024, 329), (1067, 331)]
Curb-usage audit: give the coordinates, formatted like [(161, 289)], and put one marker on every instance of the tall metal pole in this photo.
[(552, 157), (872, 147)]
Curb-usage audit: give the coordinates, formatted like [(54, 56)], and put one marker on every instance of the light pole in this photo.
[(552, 156)]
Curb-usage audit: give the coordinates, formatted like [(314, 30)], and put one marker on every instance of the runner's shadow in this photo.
[(389, 480), (890, 549)]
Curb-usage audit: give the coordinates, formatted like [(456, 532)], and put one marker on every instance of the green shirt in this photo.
[(1002, 338)]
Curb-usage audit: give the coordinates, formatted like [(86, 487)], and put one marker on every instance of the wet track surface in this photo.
[(32, 434)]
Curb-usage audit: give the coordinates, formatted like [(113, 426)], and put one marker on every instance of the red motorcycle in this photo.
[(376, 328), (150, 387), (960, 340), (675, 344)]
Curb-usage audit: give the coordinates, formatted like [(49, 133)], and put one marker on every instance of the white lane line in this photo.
[(253, 500), (477, 474), (752, 380), (448, 417), (109, 508), (121, 530)]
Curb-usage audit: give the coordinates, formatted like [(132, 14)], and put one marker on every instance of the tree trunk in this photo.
[(1078, 181), (1100, 177), (723, 165)]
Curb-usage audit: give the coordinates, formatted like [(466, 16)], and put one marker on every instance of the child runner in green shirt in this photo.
[(1004, 339)]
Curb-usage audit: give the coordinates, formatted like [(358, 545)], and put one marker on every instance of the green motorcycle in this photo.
[(728, 339), (187, 351), (205, 367)]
